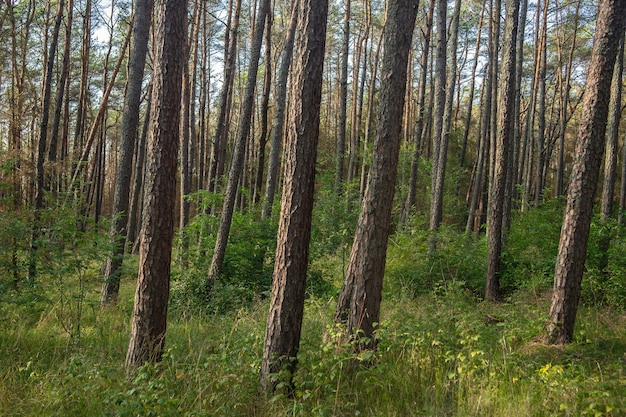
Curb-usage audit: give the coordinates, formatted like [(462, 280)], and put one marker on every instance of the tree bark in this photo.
[(151, 297), (419, 121), (343, 99), (439, 142), (359, 301), (504, 140), (610, 160), (282, 335), (585, 172), (130, 122), (279, 115), (41, 144), (218, 154)]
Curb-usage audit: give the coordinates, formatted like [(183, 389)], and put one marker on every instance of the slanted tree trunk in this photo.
[(284, 323), (134, 211), (359, 301), (419, 121), (504, 140), (472, 90), (129, 131), (610, 160), (83, 97), (279, 115), (265, 103), (41, 144), (585, 172), (150, 311), (565, 99), (236, 166), (218, 154), (63, 79)]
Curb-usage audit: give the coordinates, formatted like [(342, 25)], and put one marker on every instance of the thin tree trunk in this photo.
[(279, 115), (440, 145), (41, 144), (236, 166), (343, 99), (218, 155), (541, 106), (267, 84), (419, 121), (81, 106), (134, 211), (130, 122)]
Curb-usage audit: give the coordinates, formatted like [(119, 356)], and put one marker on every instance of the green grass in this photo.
[(442, 353)]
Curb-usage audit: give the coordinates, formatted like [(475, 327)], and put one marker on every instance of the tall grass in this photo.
[(441, 352)]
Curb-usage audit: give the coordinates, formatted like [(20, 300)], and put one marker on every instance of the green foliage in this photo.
[(413, 270), (248, 263), (529, 254)]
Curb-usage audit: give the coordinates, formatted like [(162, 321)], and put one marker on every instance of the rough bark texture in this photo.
[(279, 116), (130, 122), (610, 160), (359, 301), (150, 311), (438, 170), (343, 99), (504, 139), (585, 171), (282, 336)]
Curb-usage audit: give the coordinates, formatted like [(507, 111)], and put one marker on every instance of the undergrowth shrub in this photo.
[(530, 251), (412, 269), (248, 262)]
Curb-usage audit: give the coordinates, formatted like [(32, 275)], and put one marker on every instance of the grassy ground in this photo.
[(444, 353)]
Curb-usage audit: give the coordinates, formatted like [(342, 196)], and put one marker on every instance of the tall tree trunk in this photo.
[(279, 115), (343, 99), (440, 145), (541, 107), (610, 161), (358, 91), (63, 79), (218, 154), (470, 100), (130, 122), (359, 301), (565, 98), (83, 96), (419, 121), (585, 172), (265, 102), (504, 140), (284, 323), (150, 311), (41, 144), (236, 166), (134, 211)]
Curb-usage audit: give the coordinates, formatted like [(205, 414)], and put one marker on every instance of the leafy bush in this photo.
[(413, 269), (248, 262), (529, 254)]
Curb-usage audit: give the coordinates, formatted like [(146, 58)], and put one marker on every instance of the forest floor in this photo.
[(444, 353)]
